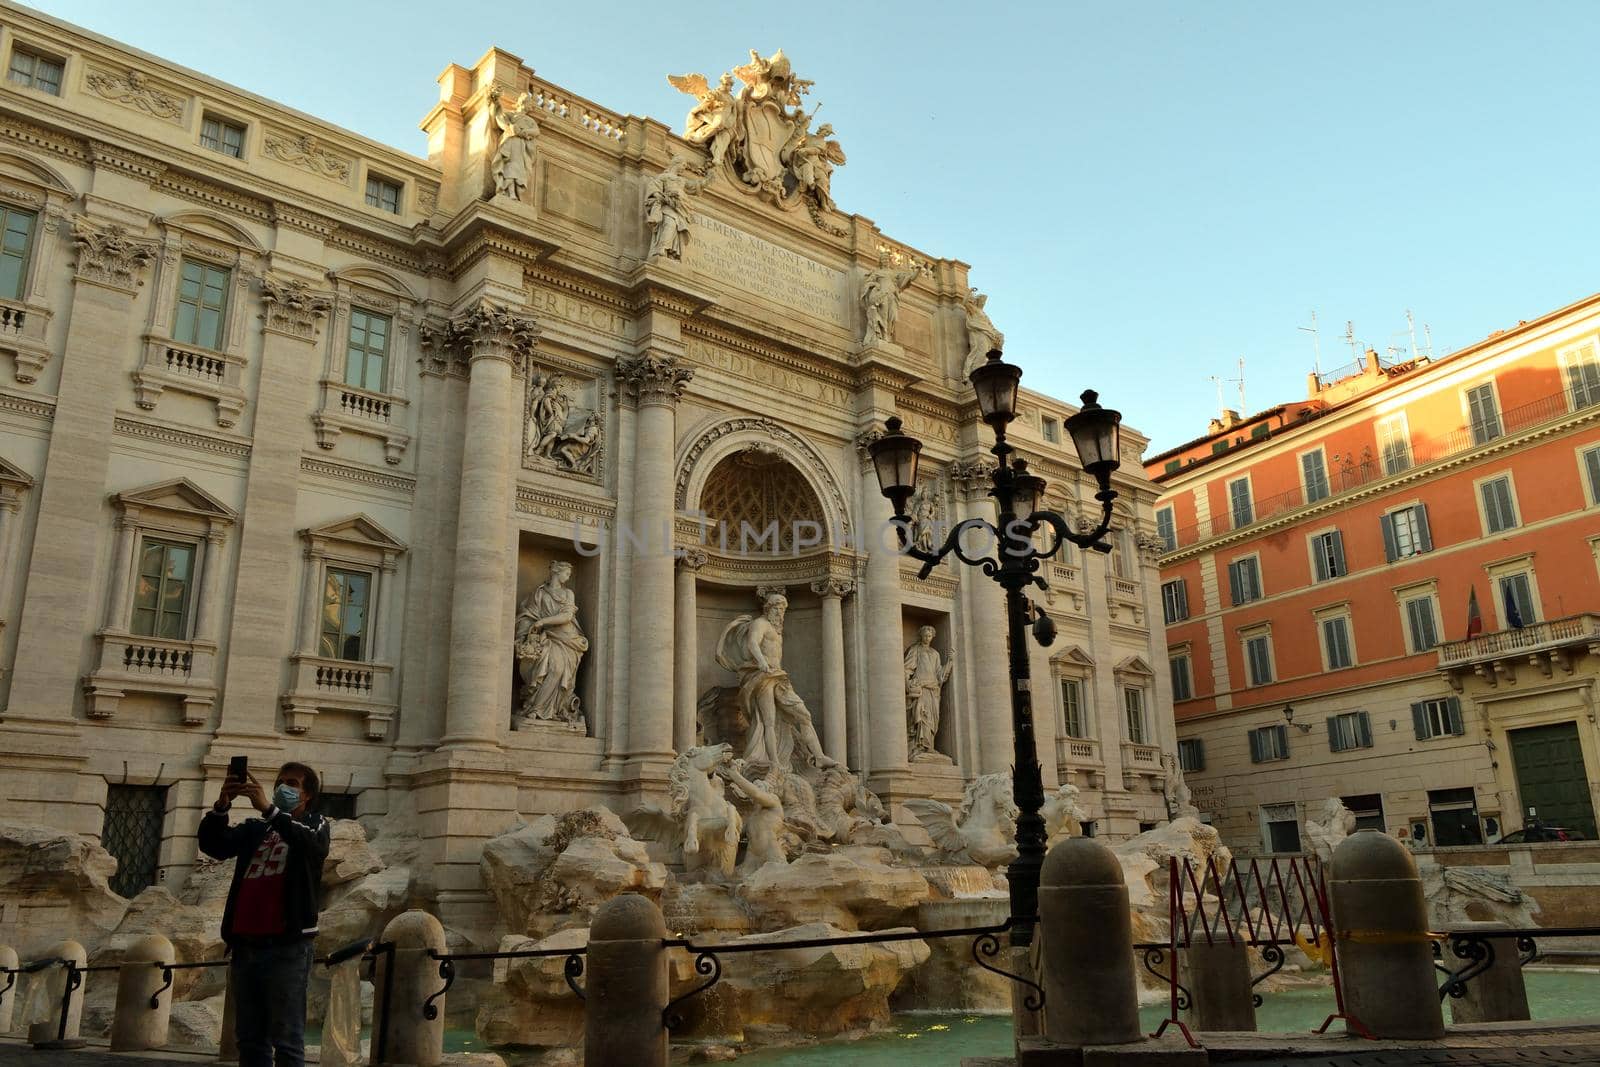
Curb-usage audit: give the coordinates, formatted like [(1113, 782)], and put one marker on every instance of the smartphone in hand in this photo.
[(239, 769)]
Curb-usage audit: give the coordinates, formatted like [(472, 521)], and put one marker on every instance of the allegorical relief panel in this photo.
[(563, 424)]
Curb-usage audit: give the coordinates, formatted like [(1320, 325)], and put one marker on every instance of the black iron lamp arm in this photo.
[(1022, 532)]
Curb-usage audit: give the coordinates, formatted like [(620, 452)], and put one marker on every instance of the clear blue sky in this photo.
[(1148, 191)]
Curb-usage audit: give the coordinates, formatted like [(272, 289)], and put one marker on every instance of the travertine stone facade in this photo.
[(291, 422)]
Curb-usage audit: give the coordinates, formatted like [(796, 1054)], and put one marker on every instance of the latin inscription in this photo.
[(571, 309), (801, 387), (770, 271)]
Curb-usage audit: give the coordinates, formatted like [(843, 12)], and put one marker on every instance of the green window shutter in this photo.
[(1424, 535), (1364, 729), (1235, 583), (1591, 462), (1419, 720), (1339, 567), (1391, 548), (1255, 747), (1453, 706), (1334, 743), (1183, 598)]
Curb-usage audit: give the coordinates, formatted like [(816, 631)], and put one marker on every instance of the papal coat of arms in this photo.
[(763, 136)]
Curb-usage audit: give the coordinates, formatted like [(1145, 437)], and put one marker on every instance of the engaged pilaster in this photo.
[(685, 695), (986, 622), (835, 739), (886, 694)]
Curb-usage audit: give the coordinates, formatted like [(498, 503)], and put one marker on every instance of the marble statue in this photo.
[(845, 807), (1063, 815), (1338, 822), (982, 337), (752, 647), (925, 679), (711, 122), (982, 831), (1175, 791), (512, 165), (926, 510), (880, 299), (574, 451), (549, 647), (550, 406), (811, 158), (764, 824), (703, 825), (666, 208), (549, 438)]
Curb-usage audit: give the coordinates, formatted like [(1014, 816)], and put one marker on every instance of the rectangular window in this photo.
[(16, 244), (1422, 623), (1349, 730), (1281, 824), (1336, 642), (1244, 580), (1072, 710), (1050, 428), (1583, 378), (1437, 718), (1455, 817), (366, 360), (202, 302), (1182, 681), (1133, 712), (35, 70), (383, 195), (1191, 754), (1175, 600), (1260, 430), (1516, 601), (1368, 810), (1315, 473), (1240, 504), (1484, 413), (223, 136), (345, 597), (1499, 507), (132, 833), (1167, 529), (1327, 555), (1258, 651), (161, 589), (1591, 471), (1269, 743), (1394, 442), (1406, 533)]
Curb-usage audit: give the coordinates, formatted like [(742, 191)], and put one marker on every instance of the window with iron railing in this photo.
[(1484, 413), (1240, 504), (1314, 472)]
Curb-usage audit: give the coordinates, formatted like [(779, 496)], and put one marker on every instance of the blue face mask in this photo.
[(286, 797)]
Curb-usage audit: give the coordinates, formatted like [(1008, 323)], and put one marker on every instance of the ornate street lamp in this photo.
[(1096, 434)]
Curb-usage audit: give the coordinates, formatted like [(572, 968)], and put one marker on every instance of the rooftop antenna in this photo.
[(1243, 408), (1216, 381), (1316, 343), (1350, 339), (1427, 333), (1411, 328)]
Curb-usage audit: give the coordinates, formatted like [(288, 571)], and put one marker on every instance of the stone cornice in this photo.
[(534, 500), (135, 164), (27, 405), (546, 274), (309, 222), (806, 362), (347, 472), (482, 238), (172, 435)]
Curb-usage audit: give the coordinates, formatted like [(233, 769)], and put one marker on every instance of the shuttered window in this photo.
[(1268, 743), (1437, 718), (1406, 533), (1174, 600), (1591, 470), (1499, 507), (1191, 754), (1583, 379), (1484, 413), (1422, 623), (1182, 681), (1133, 713), (1258, 651), (1244, 580), (1327, 555), (1336, 643), (1517, 592), (1315, 474), (1240, 504), (1350, 730), (1166, 529), (1394, 442)]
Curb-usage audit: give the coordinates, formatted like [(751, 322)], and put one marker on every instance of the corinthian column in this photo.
[(685, 695), (886, 691), (985, 610), (834, 739), (653, 382), (494, 343)]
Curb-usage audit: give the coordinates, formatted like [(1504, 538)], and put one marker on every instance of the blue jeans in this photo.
[(269, 1003)]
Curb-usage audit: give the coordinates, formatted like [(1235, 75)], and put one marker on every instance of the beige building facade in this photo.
[(447, 475)]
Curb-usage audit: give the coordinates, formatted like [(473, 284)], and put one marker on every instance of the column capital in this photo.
[(485, 331), (836, 588), (692, 559), (654, 378), (110, 256), (292, 308), (972, 477)]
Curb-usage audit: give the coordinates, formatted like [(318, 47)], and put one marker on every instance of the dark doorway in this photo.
[(132, 834), (1368, 810), (1455, 817), (1551, 778)]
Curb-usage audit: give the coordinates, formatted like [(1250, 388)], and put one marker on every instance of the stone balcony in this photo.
[(129, 663), (1082, 754), (22, 334), (1544, 646), (363, 411), (1124, 600), (202, 372), (1140, 761), (323, 684)]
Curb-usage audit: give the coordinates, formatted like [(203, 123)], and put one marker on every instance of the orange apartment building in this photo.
[(1317, 566)]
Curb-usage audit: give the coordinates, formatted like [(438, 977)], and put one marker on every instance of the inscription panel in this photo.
[(569, 308), (772, 272), (576, 196), (802, 387)]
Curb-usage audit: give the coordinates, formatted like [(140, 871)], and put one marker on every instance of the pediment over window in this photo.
[(1135, 665), (1072, 657), (12, 477), (355, 531), (376, 279), (178, 495)]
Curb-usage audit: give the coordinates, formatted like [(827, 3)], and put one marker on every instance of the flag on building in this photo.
[(1513, 616), (1474, 617)]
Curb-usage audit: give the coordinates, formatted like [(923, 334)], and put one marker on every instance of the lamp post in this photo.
[(1018, 493)]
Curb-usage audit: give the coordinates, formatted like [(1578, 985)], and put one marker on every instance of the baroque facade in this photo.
[(444, 474), (1386, 593)]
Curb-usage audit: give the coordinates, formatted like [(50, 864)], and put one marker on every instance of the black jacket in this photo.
[(308, 847)]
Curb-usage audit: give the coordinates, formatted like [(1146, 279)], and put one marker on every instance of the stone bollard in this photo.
[(137, 1026), (625, 989), (9, 983), (1220, 997), (404, 982), (1380, 934), (1497, 995), (60, 1029), (228, 1043), (1090, 997)]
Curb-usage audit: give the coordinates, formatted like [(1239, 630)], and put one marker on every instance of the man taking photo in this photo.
[(270, 921)]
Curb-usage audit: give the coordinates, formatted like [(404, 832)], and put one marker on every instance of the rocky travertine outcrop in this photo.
[(555, 871), (852, 889), (41, 867)]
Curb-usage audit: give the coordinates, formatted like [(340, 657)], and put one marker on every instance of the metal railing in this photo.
[(1476, 948), (1353, 474)]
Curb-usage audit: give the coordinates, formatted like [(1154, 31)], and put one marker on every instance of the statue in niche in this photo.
[(1175, 791), (982, 831), (666, 208), (549, 438), (512, 165), (752, 647), (1063, 815), (982, 337), (712, 120), (549, 647), (811, 157), (926, 509), (925, 680), (880, 299), (769, 841)]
